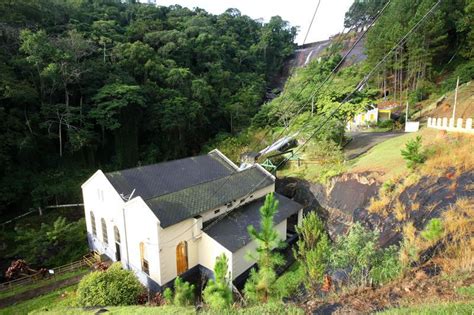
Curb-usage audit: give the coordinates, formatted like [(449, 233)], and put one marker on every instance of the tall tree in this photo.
[(260, 285), (218, 293), (313, 251)]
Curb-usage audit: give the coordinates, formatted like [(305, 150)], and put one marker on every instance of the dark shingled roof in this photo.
[(192, 201), (231, 231), (159, 179)]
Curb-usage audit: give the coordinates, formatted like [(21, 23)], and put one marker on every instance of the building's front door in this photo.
[(118, 255), (182, 257)]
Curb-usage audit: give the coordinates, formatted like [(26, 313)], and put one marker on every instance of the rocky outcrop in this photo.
[(346, 198), (337, 202)]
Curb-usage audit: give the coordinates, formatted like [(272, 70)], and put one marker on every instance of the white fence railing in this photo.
[(450, 124)]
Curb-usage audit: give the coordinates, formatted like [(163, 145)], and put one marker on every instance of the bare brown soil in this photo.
[(418, 287), (464, 106)]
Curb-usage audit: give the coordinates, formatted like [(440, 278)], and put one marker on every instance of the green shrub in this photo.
[(260, 285), (113, 287), (433, 230), (465, 72), (467, 291), (387, 265), (413, 154), (183, 293), (388, 187), (356, 252), (168, 296), (287, 284), (389, 123), (313, 250), (217, 293), (52, 244)]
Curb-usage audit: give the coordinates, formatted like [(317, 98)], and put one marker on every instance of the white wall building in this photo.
[(176, 217), (371, 116)]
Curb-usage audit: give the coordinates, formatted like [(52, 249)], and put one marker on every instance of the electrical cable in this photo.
[(358, 87), (335, 68)]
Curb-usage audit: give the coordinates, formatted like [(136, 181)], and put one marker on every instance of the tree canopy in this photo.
[(113, 84)]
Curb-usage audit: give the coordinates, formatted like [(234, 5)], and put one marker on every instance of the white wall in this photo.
[(358, 121), (101, 198), (170, 237), (209, 249), (457, 125), (240, 263), (142, 226)]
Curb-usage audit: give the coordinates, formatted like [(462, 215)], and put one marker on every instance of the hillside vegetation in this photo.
[(106, 84), (420, 70), (114, 84)]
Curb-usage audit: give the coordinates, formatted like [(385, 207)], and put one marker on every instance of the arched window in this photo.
[(118, 253), (104, 231), (94, 229), (116, 234), (182, 257), (145, 266)]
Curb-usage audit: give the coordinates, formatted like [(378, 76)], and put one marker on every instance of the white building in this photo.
[(172, 218), (370, 117)]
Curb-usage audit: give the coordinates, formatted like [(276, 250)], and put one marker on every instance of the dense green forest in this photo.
[(87, 84), (437, 51), (427, 62), (100, 83)]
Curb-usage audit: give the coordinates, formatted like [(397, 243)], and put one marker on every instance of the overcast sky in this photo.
[(329, 19)]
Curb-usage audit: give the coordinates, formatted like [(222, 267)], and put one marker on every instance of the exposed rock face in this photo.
[(426, 199), (345, 195), (346, 198)]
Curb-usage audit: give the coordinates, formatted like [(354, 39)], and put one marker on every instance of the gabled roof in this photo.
[(192, 201), (385, 105), (164, 178), (231, 231)]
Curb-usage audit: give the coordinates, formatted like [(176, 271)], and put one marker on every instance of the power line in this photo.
[(331, 74), (333, 71), (292, 72), (263, 138), (311, 23), (361, 84), (346, 99), (367, 77)]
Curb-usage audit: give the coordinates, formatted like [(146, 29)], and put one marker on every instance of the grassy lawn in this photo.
[(386, 157), (434, 309), (62, 297), (42, 283), (120, 310), (270, 308), (466, 291)]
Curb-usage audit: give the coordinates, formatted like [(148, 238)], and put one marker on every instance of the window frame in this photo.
[(93, 224), (105, 235), (117, 235)]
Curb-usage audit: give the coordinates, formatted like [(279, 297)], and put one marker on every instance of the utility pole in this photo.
[(455, 99), (406, 114)]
